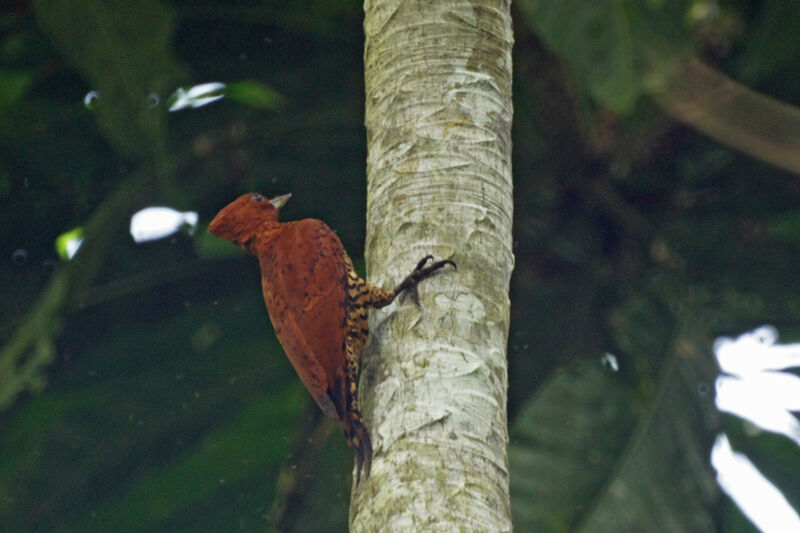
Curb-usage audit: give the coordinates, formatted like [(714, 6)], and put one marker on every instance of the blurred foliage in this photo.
[(123, 50), (611, 46), (593, 453), (254, 94), (156, 396)]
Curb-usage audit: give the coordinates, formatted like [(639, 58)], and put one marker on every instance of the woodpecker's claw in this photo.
[(422, 262), (409, 284), (358, 439)]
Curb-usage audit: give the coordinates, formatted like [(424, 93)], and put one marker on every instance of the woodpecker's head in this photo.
[(245, 217)]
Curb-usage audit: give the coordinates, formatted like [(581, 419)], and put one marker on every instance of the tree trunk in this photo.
[(438, 118)]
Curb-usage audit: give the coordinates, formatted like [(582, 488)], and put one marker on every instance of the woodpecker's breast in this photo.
[(303, 277)]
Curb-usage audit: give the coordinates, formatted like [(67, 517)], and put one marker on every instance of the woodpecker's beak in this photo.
[(278, 201)]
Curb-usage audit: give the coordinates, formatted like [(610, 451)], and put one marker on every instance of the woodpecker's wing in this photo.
[(303, 278)]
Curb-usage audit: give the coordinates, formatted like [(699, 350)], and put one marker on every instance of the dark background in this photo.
[(155, 396)]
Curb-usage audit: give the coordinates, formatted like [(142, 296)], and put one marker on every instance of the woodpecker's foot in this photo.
[(409, 285), (358, 439)]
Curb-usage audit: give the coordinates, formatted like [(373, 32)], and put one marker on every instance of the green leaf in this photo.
[(256, 440), (254, 94), (777, 21), (67, 242), (15, 85), (595, 39), (610, 46), (153, 421), (585, 458), (563, 446), (785, 228)]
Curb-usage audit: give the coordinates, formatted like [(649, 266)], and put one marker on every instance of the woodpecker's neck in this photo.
[(264, 237)]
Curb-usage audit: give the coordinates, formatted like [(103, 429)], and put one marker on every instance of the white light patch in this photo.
[(72, 247), (755, 351), (753, 387), (758, 499), (744, 398), (609, 360), (196, 96), (91, 99), (153, 223)]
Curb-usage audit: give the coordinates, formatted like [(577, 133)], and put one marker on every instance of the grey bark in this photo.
[(438, 118)]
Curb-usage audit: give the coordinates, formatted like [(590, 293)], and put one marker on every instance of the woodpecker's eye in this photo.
[(257, 198)]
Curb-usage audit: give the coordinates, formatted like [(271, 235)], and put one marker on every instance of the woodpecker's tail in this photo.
[(358, 438)]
